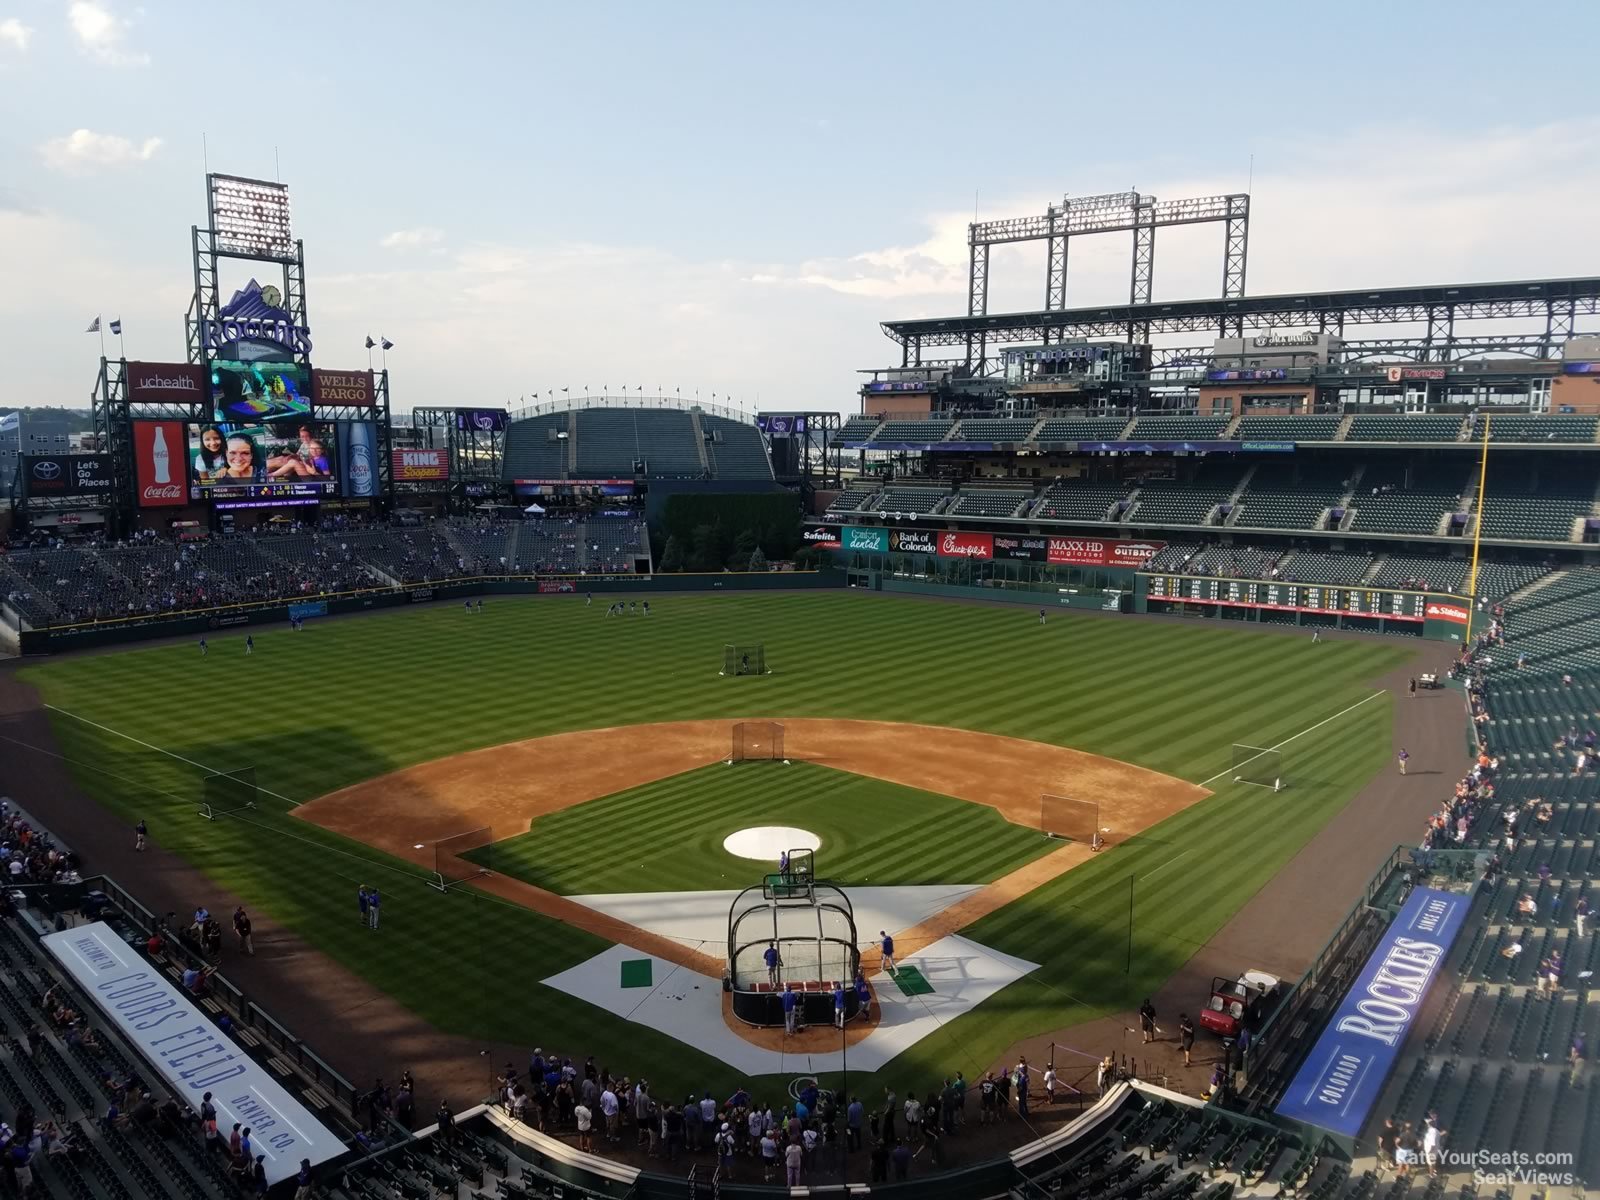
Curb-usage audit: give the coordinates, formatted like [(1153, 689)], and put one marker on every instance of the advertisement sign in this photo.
[(1580, 368), (360, 452), (1100, 552), (259, 391), (1246, 374), (158, 467), (557, 586), (857, 537), (67, 474), (1132, 554), (1030, 549), (259, 462), (189, 1051), (414, 466), (1397, 374), (781, 425), (481, 420), (1456, 614), (302, 609), (351, 389), (820, 537), (913, 541), (166, 383), (1340, 1081), (966, 545)]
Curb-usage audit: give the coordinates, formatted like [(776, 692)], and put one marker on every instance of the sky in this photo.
[(727, 199)]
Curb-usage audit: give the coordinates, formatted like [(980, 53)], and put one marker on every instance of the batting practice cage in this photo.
[(1070, 818), (757, 741), (450, 864), (813, 928), (1254, 764), (226, 792), (749, 659)]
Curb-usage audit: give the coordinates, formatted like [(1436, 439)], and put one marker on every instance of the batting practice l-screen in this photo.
[(1258, 765), (1070, 818), (451, 866), (757, 741), (228, 791), (747, 659)]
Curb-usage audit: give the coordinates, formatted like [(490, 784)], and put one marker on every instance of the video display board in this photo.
[(261, 461), (259, 391)]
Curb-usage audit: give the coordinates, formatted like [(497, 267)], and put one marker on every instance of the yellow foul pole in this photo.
[(1477, 530)]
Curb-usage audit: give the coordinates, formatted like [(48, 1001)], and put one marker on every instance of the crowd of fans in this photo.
[(47, 581)]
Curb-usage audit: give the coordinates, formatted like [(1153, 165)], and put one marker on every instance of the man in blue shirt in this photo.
[(838, 1005), (852, 1124), (770, 957), (863, 997), (791, 1016), (887, 945), (373, 903)]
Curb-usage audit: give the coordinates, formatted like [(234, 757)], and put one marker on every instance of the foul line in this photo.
[(1301, 734), (159, 750)]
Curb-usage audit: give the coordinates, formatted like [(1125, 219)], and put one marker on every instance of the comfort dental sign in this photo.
[(1340, 1081), (190, 1052)]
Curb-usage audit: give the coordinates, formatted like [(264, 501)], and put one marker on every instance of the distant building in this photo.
[(36, 431)]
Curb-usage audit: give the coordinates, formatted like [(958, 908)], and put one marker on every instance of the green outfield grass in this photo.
[(667, 836), (347, 700)]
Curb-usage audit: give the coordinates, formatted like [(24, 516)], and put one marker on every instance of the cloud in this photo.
[(406, 238), (83, 151), (100, 33), (14, 34)]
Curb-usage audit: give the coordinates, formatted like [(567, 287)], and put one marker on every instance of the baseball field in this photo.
[(921, 735)]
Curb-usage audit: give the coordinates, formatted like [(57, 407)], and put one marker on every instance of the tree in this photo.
[(707, 551), (758, 560), (744, 545), (672, 556)]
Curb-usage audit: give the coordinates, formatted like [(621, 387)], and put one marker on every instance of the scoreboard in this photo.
[(1291, 597)]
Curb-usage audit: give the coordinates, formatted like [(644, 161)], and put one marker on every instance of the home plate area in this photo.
[(937, 984)]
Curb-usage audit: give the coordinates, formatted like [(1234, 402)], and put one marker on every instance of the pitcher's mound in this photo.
[(765, 842)]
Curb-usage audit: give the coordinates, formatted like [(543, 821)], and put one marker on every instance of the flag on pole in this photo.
[(94, 326), (563, 391), (370, 342), (387, 344), (116, 327)]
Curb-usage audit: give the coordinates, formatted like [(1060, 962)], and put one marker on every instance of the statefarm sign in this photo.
[(1097, 552), (1455, 613)]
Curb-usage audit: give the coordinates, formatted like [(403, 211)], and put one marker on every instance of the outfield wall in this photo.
[(200, 622)]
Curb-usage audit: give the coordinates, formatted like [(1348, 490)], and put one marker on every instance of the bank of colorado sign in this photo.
[(1098, 552)]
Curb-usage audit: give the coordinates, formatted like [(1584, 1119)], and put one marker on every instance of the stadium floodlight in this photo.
[(250, 218)]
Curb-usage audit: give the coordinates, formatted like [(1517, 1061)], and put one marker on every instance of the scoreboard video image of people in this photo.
[(284, 458), (259, 391)]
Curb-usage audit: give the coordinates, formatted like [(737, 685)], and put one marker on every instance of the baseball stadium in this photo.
[(1135, 751)]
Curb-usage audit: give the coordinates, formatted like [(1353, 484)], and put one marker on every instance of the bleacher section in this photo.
[(1167, 502), (1404, 427), (858, 429), (1291, 496), (1234, 562), (734, 449), (1556, 627), (1525, 427), (989, 429), (1316, 566), (1537, 502), (532, 453), (989, 503), (901, 499), (853, 498), (611, 440), (934, 429), (1178, 429), (1496, 580), (1174, 557), (1057, 430), (1386, 502), (1320, 427), (1078, 502)]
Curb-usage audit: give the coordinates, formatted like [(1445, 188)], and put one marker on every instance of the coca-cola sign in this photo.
[(167, 383), (159, 463), (1454, 613), (966, 545)]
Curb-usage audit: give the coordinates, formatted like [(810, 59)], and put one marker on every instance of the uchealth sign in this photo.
[(1099, 552), (1340, 1081), (1455, 613), (167, 383), (953, 544), (158, 463), (820, 537)]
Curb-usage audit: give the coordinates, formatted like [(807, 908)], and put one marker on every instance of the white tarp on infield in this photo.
[(688, 1006), (700, 919)]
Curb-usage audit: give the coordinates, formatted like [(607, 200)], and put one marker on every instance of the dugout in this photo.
[(813, 926)]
